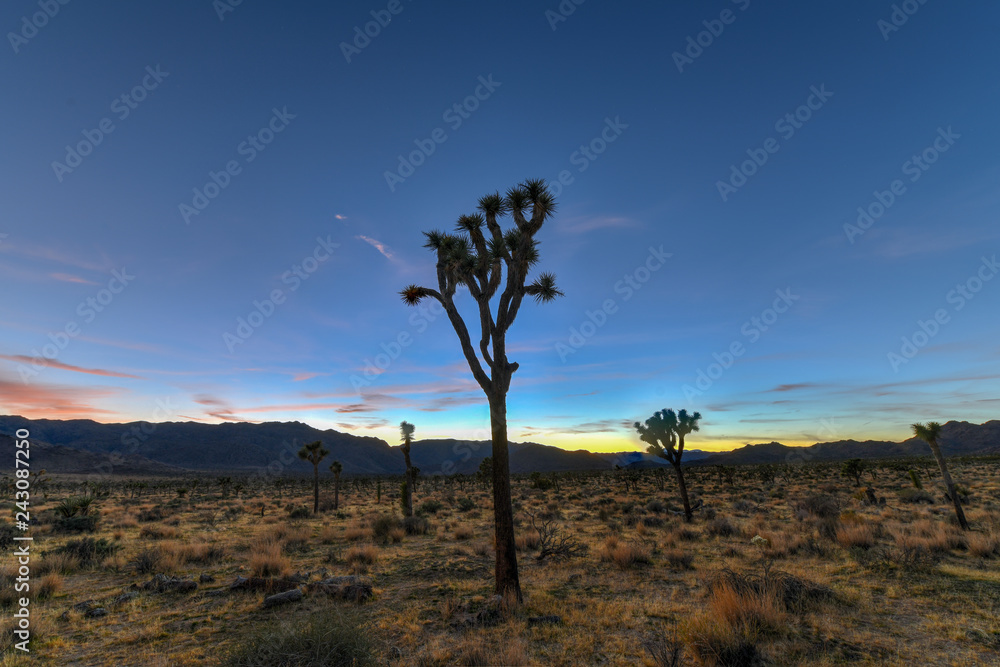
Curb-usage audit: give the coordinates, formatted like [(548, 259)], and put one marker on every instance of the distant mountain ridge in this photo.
[(957, 439), (83, 446)]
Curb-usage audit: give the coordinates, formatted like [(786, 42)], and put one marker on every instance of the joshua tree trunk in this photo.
[(950, 485), (684, 493), (408, 498), (507, 580), (315, 488)]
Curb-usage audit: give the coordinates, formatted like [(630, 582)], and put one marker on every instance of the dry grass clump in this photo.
[(48, 585), (362, 557), (464, 532), (856, 535), (267, 559), (624, 554), (159, 532), (355, 533), (983, 546), (61, 563), (479, 651), (527, 540)]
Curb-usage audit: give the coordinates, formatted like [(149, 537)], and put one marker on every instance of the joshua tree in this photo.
[(475, 258), (853, 468), (664, 432), (314, 453), (406, 430), (930, 434), (336, 468)]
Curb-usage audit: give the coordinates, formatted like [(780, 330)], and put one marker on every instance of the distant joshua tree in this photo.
[(336, 468), (930, 434), (406, 430), (474, 259), (853, 468), (314, 453), (664, 432)]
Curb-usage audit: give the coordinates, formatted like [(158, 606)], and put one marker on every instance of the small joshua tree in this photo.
[(930, 434), (664, 433), (853, 468), (314, 453), (406, 430), (336, 468)]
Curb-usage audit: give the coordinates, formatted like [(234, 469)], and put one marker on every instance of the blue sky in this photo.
[(643, 139)]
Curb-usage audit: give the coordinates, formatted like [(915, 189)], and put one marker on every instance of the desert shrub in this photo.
[(541, 483), (652, 521), (362, 555), (983, 546), (656, 505), (383, 525), (860, 535), (147, 561), (466, 504), (150, 514), (464, 533), (48, 585), (6, 537), (429, 507), (624, 554), (678, 559), (721, 527), (267, 559), (416, 525), (331, 637), (821, 506), (88, 551), (299, 512)]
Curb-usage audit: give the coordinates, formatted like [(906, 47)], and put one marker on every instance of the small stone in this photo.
[(206, 578), (96, 612), (293, 595)]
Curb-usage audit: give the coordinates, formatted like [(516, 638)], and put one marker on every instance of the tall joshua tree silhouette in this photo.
[(476, 257), (930, 434), (406, 430), (314, 453), (664, 432)]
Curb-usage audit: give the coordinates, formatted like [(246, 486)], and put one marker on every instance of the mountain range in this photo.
[(84, 446)]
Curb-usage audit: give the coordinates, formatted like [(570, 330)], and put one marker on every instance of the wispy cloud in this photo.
[(584, 224), (24, 359), (69, 278), (378, 245), (47, 401), (340, 217)]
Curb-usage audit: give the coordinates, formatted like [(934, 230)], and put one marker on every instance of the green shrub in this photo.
[(330, 637), (416, 525), (77, 524), (88, 550), (429, 507), (383, 525), (466, 504)]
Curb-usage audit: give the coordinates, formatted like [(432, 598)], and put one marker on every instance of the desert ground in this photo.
[(783, 565)]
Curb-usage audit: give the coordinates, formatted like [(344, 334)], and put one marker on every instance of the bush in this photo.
[(299, 513), (429, 507), (147, 561), (88, 550), (416, 525), (330, 637), (77, 524), (466, 504), (821, 506), (151, 514), (383, 525), (721, 527)]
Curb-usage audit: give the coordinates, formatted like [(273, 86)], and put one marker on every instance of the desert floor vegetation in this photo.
[(788, 566)]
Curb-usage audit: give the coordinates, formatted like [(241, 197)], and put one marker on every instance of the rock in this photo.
[(293, 595), (96, 612), (123, 598), (86, 605), (262, 584), (551, 619), (206, 578), (161, 583), (64, 616), (355, 592), (214, 594), (345, 580)]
